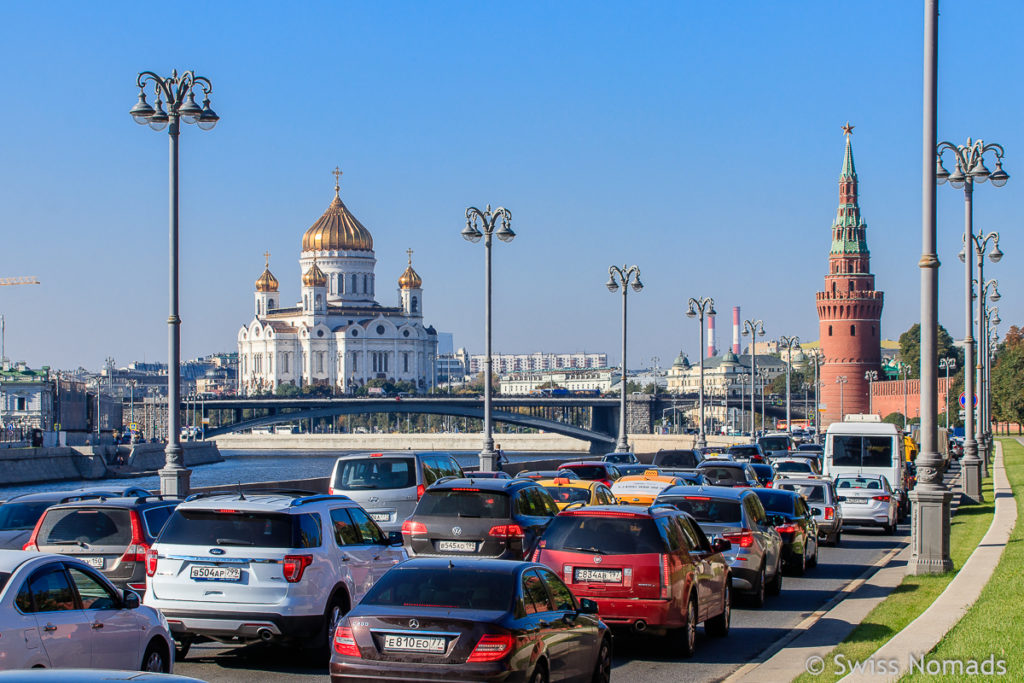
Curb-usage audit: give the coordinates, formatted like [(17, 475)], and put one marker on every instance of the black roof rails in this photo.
[(318, 497), (295, 493)]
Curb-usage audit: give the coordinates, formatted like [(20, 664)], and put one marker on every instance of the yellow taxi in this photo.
[(566, 492), (642, 489)]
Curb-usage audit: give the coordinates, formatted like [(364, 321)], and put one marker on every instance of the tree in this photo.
[(287, 390), (797, 379), (894, 419), (910, 349), (1008, 378)]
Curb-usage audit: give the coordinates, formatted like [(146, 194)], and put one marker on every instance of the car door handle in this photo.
[(49, 627), (97, 625)]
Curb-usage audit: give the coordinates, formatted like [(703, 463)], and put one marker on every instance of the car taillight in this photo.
[(666, 578), (345, 642), (884, 499), (830, 513), (744, 538), (151, 561), (506, 531), (786, 529), (419, 491), (411, 528), (491, 647), (767, 484), (294, 565), (330, 490), (138, 548)]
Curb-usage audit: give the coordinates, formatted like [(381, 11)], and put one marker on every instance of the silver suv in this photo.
[(246, 566), (390, 484)]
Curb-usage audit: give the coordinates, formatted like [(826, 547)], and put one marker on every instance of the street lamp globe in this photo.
[(470, 233), (142, 110), (941, 174), (190, 111), (996, 253), (637, 285), (611, 285), (208, 118), (159, 119), (999, 176), (505, 233), (979, 172), (958, 179)]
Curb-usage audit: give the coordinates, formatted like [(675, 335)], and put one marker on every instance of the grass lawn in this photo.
[(992, 626), (914, 595)]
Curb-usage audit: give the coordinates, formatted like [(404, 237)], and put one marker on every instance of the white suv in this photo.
[(245, 566)]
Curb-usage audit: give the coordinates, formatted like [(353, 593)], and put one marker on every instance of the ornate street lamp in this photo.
[(980, 242), (789, 343), (841, 381), (698, 308), (871, 376), (947, 364), (179, 93), (624, 278), (970, 168), (753, 329), (482, 224)]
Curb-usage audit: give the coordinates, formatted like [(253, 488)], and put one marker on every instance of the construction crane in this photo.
[(8, 282)]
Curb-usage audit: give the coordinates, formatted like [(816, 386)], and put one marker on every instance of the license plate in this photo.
[(457, 546), (380, 516), (582, 574), (94, 562), (857, 501), (203, 573), (414, 643)]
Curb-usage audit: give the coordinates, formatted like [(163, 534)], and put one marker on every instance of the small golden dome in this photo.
[(337, 229), (266, 282), (314, 277), (410, 279)]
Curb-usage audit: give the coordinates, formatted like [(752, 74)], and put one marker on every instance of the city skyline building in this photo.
[(849, 308), (532, 362)]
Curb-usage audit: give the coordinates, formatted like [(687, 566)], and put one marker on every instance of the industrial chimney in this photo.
[(736, 330)]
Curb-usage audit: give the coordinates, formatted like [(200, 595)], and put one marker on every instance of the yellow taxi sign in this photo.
[(651, 473)]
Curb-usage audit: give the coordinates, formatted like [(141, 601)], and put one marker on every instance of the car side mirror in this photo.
[(394, 538), (588, 606), (131, 599), (720, 545)]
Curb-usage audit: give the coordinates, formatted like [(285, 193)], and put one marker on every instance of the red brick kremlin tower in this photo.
[(849, 310)]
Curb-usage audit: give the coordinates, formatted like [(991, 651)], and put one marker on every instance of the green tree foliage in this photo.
[(797, 380), (1008, 378), (910, 349), (287, 390), (894, 419)]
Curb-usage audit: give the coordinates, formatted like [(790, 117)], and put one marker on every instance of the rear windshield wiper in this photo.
[(233, 541), (591, 549), (78, 543)]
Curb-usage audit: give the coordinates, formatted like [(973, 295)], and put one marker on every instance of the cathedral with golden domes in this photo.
[(337, 335)]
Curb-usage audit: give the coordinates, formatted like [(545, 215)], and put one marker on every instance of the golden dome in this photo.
[(410, 279), (266, 282), (337, 229), (314, 277)]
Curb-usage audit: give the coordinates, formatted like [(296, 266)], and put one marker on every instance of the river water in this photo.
[(261, 465)]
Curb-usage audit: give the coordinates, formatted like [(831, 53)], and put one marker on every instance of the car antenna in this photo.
[(241, 496), (451, 565)]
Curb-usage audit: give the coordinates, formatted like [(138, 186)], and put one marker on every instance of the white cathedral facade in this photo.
[(337, 336)]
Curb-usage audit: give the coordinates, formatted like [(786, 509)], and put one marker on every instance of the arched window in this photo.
[(872, 330), (853, 330), (257, 306), (355, 289), (830, 330), (341, 283), (833, 287), (414, 305), (366, 284), (850, 284), (270, 304), (319, 302)]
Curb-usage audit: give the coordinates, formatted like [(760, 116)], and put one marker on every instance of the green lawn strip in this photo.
[(913, 595), (992, 626)]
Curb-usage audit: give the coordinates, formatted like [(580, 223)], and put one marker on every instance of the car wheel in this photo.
[(332, 615), (838, 537), (800, 563), (757, 597), (155, 659), (719, 626), (686, 637), (540, 674), (814, 558), (775, 585), (603, 667), (181, 648)]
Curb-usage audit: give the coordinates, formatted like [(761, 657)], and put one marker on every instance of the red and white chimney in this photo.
[(711, 336), (736, 330)]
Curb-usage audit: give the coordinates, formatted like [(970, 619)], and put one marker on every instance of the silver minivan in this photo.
[(388, 485)]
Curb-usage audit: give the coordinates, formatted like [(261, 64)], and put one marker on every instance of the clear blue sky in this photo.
[(701, 141)]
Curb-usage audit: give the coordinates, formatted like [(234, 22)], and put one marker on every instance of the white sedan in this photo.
[(58, 612), (867, 500)]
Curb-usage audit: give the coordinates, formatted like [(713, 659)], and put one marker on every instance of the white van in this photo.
[(867, 448)]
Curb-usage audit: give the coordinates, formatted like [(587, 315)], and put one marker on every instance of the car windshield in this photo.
[(676, 459), (792, 466), (763, 471), (813, 494), (774, 443), (566, 494), (776, 501), (630, 470), (463, 502), (451, 588), (603, 535), (21, 516), (362, 474), (726, 475), (744, 451), (225, 527), (618, 457), (858, 483), (589, 472), (862, 451), (95, 526), (706, 509)]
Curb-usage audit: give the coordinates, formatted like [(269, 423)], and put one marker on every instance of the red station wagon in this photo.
[(647, 568)]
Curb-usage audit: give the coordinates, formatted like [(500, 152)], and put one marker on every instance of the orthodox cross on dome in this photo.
[(409, 252), (848, 129), (266, 256), (337, 173)]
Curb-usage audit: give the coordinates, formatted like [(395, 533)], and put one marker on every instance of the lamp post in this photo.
[(946, 364), (753, 329), (904, 369), (970, 168), (482, 224), (698, 308), (980, 244), (624, 278), (789, 343), (841, 381), (871, 376), (991, 320), (815, 358), (131, 406), (762, 375), (179, 92)]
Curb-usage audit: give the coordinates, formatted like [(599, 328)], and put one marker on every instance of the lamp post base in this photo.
[(929, 532), (701, 441), (622, 446), (488, 461), (971, 478), (174, 481), (983, 456)]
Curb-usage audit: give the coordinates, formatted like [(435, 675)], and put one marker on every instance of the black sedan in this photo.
[(795, 523), (462, 619)]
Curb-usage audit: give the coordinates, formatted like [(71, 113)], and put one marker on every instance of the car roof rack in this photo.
[(661, 505), (318, 498), (269, 491)]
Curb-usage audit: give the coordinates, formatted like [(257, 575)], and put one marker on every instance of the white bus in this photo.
[(867, 448)]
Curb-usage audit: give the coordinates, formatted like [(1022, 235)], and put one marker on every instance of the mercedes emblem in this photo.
[(597, 559), (414, 623), (457, 530)]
